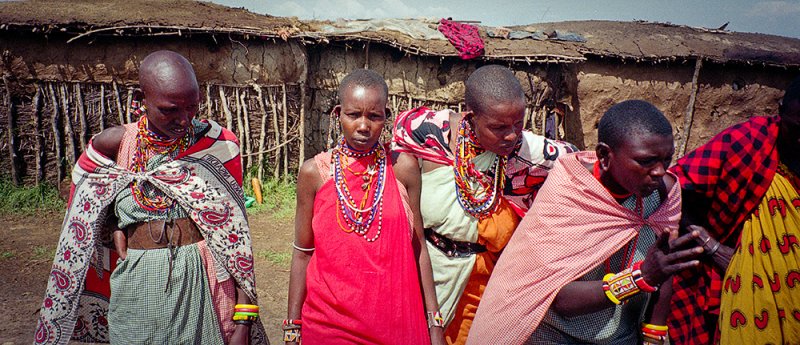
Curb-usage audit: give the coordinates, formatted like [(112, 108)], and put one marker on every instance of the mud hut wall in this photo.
[(30, 62), (413, 80), (219, 59), (727, 94)]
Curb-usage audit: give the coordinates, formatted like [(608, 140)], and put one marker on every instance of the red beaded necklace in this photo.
[(148, 144), (481, 200)]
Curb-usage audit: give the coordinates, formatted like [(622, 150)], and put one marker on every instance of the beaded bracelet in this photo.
[(291, 335), (434, 319), (291, 329), (244, 318), (640, 282), (619, 287), (654, 334)]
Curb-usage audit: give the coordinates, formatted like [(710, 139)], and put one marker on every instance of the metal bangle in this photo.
[(303, 249), (714, 249)]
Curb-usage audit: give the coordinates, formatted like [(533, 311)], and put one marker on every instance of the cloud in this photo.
[(355, 9), (775, 9)]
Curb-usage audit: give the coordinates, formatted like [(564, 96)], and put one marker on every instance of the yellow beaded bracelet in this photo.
[(610, 295)]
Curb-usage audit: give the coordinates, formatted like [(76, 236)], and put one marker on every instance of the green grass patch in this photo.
[(278, 258), (6, 255), (280, 197), (27, 200), (43, 252)]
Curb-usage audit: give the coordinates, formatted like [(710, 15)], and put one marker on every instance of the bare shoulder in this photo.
[(308, 178), (669, 182), (108, 141), (406, 168)]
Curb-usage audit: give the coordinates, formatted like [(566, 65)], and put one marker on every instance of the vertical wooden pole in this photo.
[(228, 115), (81, 116), (263, 137), (69, 133), (57, 137), (302, 129), (102, 112), (248, 147), (687, 121), (36, 106), (240, 126), (285, 135), (14, 159), (209, 113), (128, 109), (118, 100), (273, 101)]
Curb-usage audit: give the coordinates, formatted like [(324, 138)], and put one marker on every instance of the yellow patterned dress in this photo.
[(761, 291)]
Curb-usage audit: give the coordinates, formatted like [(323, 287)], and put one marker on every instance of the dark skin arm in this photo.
[(308, 183), (107, 143), (407, 172), (694, 210), (660, 263)]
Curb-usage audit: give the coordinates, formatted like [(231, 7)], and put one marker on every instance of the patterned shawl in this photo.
[(553, 246), (205, 180), (732, 172), (426, 135)]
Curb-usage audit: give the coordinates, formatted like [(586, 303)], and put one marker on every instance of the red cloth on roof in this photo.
[(463, 37)]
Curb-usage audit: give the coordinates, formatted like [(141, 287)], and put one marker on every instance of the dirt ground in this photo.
[(27, 245)]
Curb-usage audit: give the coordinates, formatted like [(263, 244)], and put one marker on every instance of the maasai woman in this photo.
[(360, 268), (480, 173), (743, 187), (171, 185)]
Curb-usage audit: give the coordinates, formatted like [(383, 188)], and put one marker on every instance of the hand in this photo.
[(241, 335), (704, 239), (437, 335), (665, 259), (719, 253)]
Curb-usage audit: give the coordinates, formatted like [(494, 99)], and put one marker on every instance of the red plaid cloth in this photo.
[(733, 172), (463, 37)]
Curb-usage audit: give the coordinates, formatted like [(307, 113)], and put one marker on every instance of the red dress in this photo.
[(360, 292)]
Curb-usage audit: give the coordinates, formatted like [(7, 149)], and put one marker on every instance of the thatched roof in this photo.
[(639, 41)]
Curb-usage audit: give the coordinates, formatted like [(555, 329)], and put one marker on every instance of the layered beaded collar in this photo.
[(358, 217)]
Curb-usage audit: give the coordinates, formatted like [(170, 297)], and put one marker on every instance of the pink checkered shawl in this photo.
[(573, 226)]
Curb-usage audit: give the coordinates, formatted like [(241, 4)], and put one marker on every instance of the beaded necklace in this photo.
[(358, 217), (148, 144), (481, 200)]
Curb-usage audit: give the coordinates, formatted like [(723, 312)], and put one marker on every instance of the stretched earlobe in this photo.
[(603, 152)]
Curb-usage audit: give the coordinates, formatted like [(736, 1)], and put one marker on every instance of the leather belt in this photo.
[(451, 248), (159, 234)]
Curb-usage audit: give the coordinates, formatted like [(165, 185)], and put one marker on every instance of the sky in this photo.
[(771, 17)]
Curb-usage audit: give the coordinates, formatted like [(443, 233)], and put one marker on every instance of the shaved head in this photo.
[(628, 118), (166, 70), (365, 78), (492, 84)]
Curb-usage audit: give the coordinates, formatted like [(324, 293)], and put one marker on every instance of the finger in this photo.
[(675, 268), (663, 241), (684, 255), (703, 232), (682, 241), (673, 234)]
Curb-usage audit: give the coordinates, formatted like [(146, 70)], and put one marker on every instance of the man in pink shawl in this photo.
[(593, 257)]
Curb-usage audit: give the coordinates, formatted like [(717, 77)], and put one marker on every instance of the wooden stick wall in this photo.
[(47, 128)]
